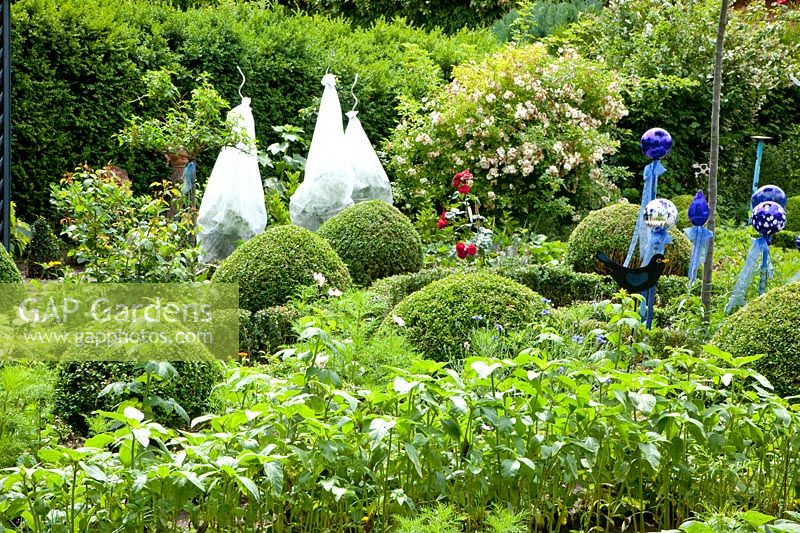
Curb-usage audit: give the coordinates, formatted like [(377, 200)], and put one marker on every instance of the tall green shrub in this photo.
[(43, 249)]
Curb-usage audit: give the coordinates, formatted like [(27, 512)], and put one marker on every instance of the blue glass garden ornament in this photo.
[(768, 193), (656, 143), (768, 219), (660, 216), (698, 234)]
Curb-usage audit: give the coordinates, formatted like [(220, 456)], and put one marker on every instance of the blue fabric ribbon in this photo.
[(700, 237), (189, 174), (641, 233), (656, 244), (757, 259)]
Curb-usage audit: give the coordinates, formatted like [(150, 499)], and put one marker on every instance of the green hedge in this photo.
[(78, 67), (375, 240), (558, 283), (768, 325), (452, 15), (785, 239)]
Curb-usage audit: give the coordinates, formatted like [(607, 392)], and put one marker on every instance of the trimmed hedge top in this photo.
[(682, 202), (272, 266), (439, 318), (609, 230), (375, 240), (768, 325), (8, 270)]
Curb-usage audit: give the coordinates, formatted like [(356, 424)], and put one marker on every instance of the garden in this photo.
[(490, 267)]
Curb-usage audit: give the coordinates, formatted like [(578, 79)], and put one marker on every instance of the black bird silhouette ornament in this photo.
[(635, 280)]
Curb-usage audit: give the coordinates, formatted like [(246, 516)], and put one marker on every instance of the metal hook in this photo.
[(330, 62), (243, 81), (353, 93)]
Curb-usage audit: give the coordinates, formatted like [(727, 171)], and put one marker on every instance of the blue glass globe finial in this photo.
[(769, 193), (699, 210), (768, 218), (656, 143)]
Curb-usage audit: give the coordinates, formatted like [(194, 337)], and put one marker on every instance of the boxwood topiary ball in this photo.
[(272, 266), (682, 202), (609, 230), (768, 325), (375, 240), (439, 318), (793, 214), (8, 270)]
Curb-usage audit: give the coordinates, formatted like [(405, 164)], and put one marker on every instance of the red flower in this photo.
[(464, 189), (461, 250), (472, 249), (461, 255), (465, 176), (442, 220)]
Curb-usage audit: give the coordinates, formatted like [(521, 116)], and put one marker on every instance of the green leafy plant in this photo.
[(117, 236), (285, 165)]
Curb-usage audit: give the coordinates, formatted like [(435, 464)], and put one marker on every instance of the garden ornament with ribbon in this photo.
[(656, 143), (660, 216), (769, 217), (698, 234)]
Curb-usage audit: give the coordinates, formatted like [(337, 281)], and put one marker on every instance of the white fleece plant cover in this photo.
[(327, 186), (370, 181), (232, 210)]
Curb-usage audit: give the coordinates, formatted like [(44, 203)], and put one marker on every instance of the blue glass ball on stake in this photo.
[(699, 210), (660, 213), (797, 243), (769, 193), (768, 218), (656, 143)]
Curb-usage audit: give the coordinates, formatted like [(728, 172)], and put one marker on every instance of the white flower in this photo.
[(491, 97), (334, 293), (399, 321), (319, 279), (491, 195), (320, 361), (508, 95)]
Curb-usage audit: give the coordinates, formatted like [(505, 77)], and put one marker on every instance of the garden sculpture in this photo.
[(769, 217), (656, 143), (660, 216), (635, 280), (698, 234)]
